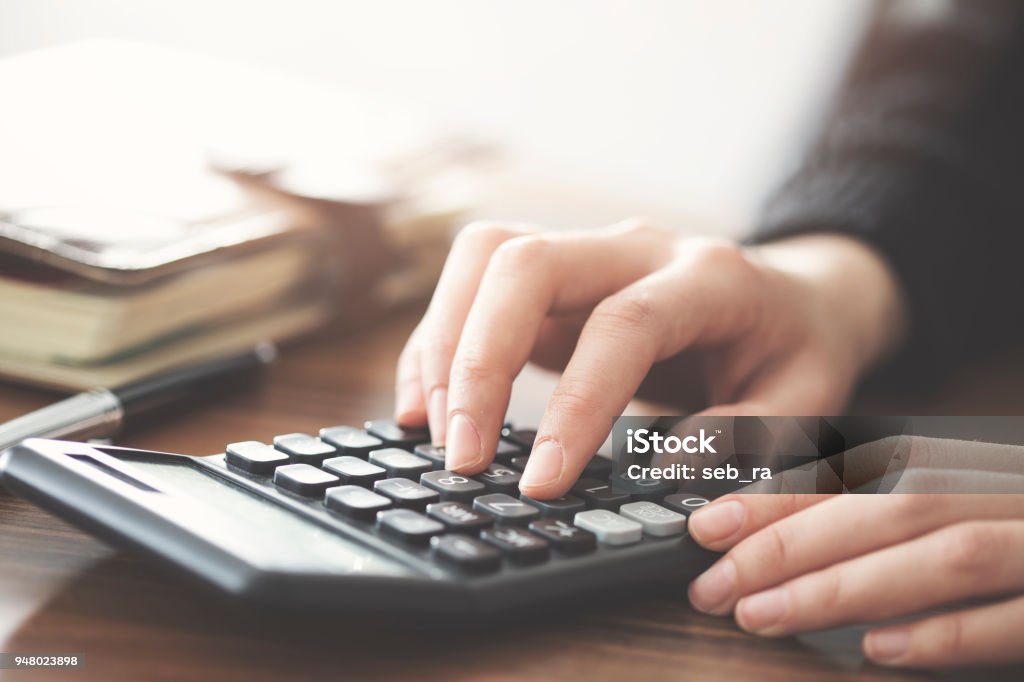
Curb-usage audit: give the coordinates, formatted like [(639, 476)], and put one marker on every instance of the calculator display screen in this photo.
[(261, 532)]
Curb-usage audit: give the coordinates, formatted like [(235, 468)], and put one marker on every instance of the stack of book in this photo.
[(157, 208)]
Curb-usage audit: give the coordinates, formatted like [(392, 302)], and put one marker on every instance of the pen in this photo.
[(101, 411)]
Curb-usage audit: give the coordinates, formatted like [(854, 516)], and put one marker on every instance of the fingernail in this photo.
[(462, 447), (544, 466), (436, 415), (762, 611), (716, 522), (887, 646), (714, 587)]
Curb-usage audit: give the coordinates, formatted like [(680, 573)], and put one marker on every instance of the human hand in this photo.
[(801, 562), (786, 328)]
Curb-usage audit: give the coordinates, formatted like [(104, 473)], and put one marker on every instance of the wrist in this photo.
[(859, 296)]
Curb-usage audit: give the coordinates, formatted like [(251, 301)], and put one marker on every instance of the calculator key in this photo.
[(254, 457), (354, 471), (500, 478), (519, 463), (609, 527), (506, 510), (304, 479), (351, 441), (394, 435), (564, 507), (564, 536), (452, 486), (684, 503), (520, 546), (599, 494), (408, 526), (598, 467), (434, 453), (468, 554), (303, 448), (458, 517), (399, 463), (655, 519), (649, 489), (506, 450), (359, 503), (522, 437), (405, 493)]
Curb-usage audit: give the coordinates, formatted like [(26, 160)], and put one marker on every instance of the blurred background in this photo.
[(662, 107), (179, 180)]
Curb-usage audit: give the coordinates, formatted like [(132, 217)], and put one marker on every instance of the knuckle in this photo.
[(949, 639), (473, 369), (776, 543), (830, 597), (574, 402), (970, 547), (485, 232), (628, 311), (522, 253)]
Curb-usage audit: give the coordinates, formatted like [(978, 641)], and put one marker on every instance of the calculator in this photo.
[(366, 518)]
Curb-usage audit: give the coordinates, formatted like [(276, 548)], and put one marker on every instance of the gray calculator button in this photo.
[(506, 510), (304, 448), (399, 463), (655, 519), (255, 457), (609, 527), (684, 503)]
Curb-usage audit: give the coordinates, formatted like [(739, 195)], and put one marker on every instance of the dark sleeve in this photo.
[(923, 158)]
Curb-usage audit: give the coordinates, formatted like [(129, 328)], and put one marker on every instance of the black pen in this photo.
[(102, 411)]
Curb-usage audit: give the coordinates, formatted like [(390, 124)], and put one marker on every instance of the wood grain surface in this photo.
[(133, 619)]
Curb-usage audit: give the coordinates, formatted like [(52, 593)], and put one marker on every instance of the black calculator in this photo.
[(366, 518)]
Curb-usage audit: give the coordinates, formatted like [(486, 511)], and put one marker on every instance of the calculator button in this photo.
[(609, 527), (564, 536), (458, 517), (519, 463), (564, 507), (598, 467), (397, 436), (465, 553), (506, 510), (648, 489), (522, 437), (684, 503), (405, 493), (599, 494), (354, 471), (655, 519), (434, 453), (303, 479), (517, 544), (506, 450), (303, 448), (452, 486), (254, 457), (351, 441), (500, 478), (359, 503), (408, 526), (399, 463)]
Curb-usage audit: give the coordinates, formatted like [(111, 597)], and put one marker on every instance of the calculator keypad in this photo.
[(393, 479)]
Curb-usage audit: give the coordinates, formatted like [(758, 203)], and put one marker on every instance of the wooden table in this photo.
[(62, 591)]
